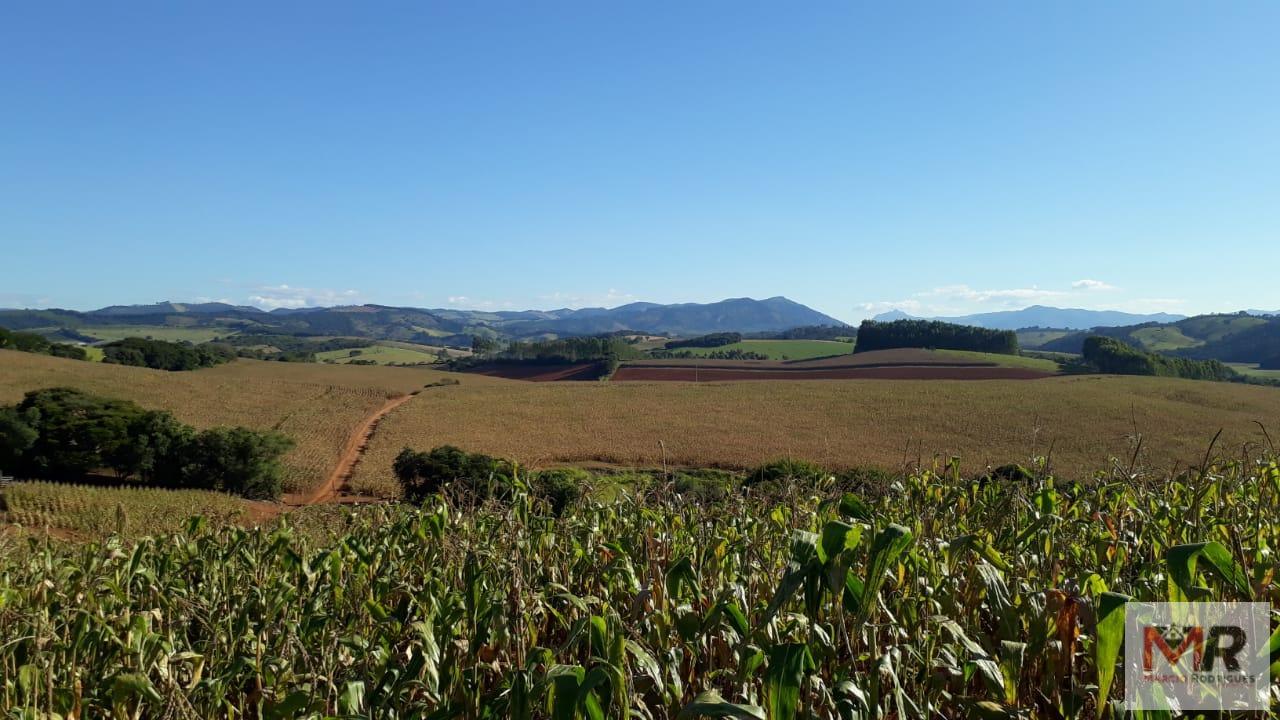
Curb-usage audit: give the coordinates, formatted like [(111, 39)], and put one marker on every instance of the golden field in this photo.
[(315, 404), (1086, 419)]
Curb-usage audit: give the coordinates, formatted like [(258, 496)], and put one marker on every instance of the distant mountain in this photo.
[(166, 308), (734, 315), (439, 326), (1264, 313), (1044, 316)]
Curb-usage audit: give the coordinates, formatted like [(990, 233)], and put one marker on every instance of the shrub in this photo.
[(705, 485), (422, 474), (784, 471), (561, 487)]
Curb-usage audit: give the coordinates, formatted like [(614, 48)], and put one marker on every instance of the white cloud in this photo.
[(962, 300), (272, 297), (612, 298)]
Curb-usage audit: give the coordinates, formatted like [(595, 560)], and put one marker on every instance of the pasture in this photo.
[(382, 354)]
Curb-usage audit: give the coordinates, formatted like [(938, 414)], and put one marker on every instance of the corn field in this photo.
[(937, 597)]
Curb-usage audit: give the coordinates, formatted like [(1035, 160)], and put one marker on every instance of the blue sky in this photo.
[(940, 157)]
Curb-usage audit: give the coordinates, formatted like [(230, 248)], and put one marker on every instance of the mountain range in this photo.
[(1043, 316), (438, 326)]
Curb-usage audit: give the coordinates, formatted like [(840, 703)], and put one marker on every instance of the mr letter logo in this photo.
[(1196, 656)]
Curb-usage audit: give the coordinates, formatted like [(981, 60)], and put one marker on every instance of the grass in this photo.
[(382, 354), (1252, 370), (1032, 339), (1086, 420), (783, 349), (94, 512), (1159, 339), (95, 354), (317, 405), (1018, 361), (157, 332)]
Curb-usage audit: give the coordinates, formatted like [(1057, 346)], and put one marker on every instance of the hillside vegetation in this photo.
[(1228, 338)]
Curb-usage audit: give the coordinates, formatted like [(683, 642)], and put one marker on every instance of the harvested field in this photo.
[(893, 372), (901, 364), (539, 373), (316, 405), (1087, 420)]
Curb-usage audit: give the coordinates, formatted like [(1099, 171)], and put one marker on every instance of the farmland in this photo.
[(316, 405), (382, 354), (1082, 421), (942, 599), (82, 511)]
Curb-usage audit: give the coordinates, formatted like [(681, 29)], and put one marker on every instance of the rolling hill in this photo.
[(1239, 337)]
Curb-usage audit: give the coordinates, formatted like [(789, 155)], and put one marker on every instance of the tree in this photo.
[(77, 432), (16, 437), (237, 460)]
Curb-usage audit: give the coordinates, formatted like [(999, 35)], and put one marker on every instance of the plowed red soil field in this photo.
[(539, 373)]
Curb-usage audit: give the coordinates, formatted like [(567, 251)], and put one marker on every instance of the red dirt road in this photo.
[(351, 454), (890, 372)]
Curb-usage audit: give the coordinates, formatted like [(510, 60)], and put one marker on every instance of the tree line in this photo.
[(733, 354), (39, 344), (570, 350), (165, 355), (873, 335), (706, 341), (68, 435), (1110, 355)]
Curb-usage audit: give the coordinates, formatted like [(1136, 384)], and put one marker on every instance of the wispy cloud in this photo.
[(610, 298), (272, 297), (963, 299), (1092, 285)]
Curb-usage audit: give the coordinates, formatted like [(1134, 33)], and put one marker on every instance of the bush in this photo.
[(705, 485), (784, 471), (422, 474), (561, 487)]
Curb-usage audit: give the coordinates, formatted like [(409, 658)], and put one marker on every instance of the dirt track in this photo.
[(351, 454)]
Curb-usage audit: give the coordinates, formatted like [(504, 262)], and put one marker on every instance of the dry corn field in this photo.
[(316, 405), (1085, 420), (87, 512)]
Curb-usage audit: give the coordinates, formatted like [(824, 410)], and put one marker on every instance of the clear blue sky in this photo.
[(942, 157)]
